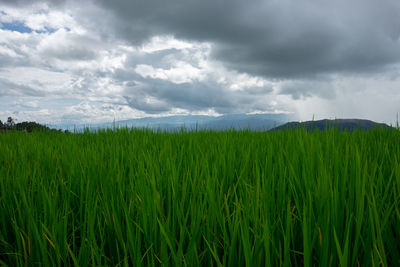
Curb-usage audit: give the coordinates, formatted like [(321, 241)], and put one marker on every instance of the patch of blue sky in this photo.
[(19, 26), (15, 26), (46, 30)]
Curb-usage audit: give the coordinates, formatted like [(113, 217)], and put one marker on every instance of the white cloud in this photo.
[(40, 17), (27, 104), (66, 45), (114, 68), (83, 112), (244, 81), (5, 51), (180, 72), (44, 81), (73, 60), (165, 42)]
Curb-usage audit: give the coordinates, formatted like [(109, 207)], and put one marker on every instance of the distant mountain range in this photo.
[(255, 122), (341, 124)]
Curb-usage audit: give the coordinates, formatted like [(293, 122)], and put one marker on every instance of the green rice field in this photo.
[(130, 197)]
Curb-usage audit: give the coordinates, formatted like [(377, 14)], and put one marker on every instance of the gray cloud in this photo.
[(75, 47), (296, 52), (308, 88), (154, 59), (24, 3), (155, 96), (9, 88), (14, 52), (277, 39), (274, 39), (27, 104)]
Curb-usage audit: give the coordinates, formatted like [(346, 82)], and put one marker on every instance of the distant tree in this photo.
[(10, 122), (30, 126), (27, 126)]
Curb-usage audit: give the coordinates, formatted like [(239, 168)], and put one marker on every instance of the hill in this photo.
[(340, 124), (25, 126)]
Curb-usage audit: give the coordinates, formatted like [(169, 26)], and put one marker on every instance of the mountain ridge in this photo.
[(340, 124)]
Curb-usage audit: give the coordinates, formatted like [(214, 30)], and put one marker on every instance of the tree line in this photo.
[(27, 126)]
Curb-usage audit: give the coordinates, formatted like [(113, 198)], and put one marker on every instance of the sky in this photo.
[(90, 61)]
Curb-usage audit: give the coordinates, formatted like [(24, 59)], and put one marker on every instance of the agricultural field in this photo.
[(130, 197)]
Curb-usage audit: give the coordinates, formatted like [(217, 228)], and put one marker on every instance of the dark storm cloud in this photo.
[(166, 95), (155, 96), (273, 38)]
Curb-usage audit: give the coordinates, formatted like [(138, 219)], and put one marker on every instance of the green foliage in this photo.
[(236, 198), (10, 122), (24, 126)]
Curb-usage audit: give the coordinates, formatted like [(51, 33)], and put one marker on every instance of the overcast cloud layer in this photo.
[(92, 61)]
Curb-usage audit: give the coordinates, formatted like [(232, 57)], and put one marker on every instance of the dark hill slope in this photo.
[(340, 124)]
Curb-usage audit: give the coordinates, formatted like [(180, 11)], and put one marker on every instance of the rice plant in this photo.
[(129, 197)]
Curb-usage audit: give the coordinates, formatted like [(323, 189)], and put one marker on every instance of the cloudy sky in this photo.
[(100, 60)]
